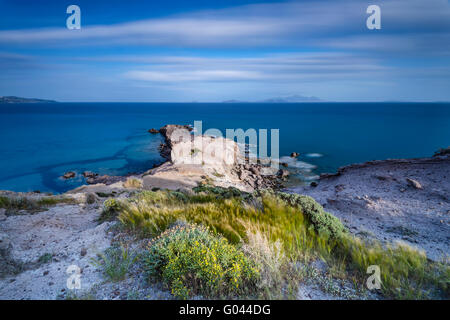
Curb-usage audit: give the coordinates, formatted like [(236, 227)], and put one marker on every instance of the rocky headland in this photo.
[(194, 160)]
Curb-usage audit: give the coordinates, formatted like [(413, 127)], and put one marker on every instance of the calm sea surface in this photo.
[(39, 142)]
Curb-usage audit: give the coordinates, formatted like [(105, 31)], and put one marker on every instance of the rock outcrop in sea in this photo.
[(197, 159)]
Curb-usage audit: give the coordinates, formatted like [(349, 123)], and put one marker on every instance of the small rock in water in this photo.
[(414, 183), (89, 174), (83, 252), (153, 131), (294, 154), (283, 173), (69, 175), (313, 184), (284, 164)]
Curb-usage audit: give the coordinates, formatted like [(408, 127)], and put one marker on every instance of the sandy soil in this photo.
[(392, 200), (67, 235)]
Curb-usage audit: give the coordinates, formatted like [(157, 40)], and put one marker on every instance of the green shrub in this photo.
[(111, 208), (220, 192), (193, 261), (323, 222)]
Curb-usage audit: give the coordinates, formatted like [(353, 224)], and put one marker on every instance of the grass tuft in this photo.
[(115, 262), (133, 183)]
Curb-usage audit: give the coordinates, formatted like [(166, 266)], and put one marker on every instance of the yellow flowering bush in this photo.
[(193, 261)]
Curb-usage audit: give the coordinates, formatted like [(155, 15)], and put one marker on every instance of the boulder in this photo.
[(284, 164), (153, 131), (294, 154)]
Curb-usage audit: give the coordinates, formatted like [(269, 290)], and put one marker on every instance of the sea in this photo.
[(42, 141)]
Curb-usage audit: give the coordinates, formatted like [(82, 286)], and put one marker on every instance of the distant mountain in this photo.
[(292, 99), (288, 99), (234, 101), (13, 99)]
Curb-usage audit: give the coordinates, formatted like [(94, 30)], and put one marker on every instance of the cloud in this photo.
[(406, 25), (194, 75), (269, 68)]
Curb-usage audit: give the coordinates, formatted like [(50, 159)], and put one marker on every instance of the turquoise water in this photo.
[(39, 142)]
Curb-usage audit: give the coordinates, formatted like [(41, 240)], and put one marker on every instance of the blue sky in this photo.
[(228, 49)]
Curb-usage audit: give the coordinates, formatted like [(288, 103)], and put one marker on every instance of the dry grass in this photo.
[(133, 183), (271, 228), (15, 204)]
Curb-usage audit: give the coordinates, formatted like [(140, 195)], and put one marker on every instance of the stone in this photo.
[(91, 198), (153, 131), (313, 184), (284, 164), (442, 152), (283, 173), (83, 252), (255, 170), (89, 174), (2, 214), (414, 183), (5, 243), (294, 154)]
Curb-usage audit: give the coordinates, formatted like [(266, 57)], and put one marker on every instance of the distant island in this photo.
[(288, 99), (13, 99)]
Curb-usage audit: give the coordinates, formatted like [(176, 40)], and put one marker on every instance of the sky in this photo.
[(211, 51)]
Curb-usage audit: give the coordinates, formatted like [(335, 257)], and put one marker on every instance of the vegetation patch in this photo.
[(15, 204), (193, 261), (111, 208), (45, 258), (323, 222), (221, 193), (296, 225), (116, 262)]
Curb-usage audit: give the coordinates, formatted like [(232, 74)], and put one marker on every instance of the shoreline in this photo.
[(397, 201)]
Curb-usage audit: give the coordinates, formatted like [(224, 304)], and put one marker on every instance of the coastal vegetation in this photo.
[(273, 237), (191, 261), (14, 205), (115, 262)]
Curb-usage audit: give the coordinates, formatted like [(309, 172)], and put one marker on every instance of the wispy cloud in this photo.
[(270, 68), (407, 24)]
